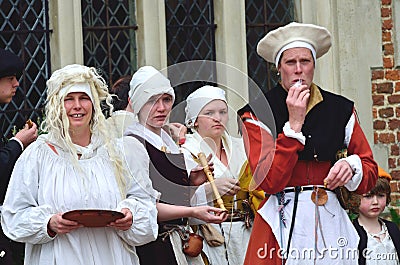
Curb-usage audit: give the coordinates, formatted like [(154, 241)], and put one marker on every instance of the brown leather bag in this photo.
[(193, 246), (211, 235), (348, 200)]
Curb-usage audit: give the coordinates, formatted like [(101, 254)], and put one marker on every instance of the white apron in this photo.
[(335, 240)]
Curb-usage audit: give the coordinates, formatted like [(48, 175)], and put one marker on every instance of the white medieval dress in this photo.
[(45, 182), (235, 233)]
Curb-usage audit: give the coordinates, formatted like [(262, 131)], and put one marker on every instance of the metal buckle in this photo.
[(298, 189)]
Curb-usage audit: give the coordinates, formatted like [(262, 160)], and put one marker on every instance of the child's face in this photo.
[(371, 206)]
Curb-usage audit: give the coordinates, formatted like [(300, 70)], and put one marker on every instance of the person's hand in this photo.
[(177, 131), (227, 186), (27, 135), (296, 102), (59, 225), (209, 214), (123, 223), (197, 174), (339, 175)]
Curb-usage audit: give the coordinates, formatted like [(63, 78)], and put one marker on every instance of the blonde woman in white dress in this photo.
[(78, 165)]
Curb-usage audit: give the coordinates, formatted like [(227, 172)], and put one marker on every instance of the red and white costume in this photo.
[(304, 159)]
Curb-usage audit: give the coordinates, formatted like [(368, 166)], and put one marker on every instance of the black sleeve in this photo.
[(9, 154)]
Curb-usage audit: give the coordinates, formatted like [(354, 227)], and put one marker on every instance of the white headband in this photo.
[(296, 44), (145, 83), (198, 99), (77, 87)]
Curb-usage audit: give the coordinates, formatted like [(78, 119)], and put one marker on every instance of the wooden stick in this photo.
[(210, 177)]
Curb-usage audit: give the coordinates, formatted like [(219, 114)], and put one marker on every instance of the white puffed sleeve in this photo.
[(353, 160), (141, 197), (22, 218), (144, 227)]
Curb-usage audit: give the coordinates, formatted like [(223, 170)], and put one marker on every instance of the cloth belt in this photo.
[(167, 229)]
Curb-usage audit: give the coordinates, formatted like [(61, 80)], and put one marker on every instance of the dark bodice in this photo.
[(169, 176)]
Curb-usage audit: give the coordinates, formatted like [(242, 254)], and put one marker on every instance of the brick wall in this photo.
[(386, 100)]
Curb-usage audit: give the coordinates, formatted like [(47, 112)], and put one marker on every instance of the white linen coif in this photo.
[(145, 83), (198, 99)]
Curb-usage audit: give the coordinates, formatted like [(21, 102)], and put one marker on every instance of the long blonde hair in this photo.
[(56, 122)]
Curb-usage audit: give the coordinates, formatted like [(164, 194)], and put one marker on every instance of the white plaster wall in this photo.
[(356, 49), (151, 34), (66, 42), (230, 38)]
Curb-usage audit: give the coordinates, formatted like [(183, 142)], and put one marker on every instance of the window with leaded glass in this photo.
[(190, 36), (24, 30), (109, 41), (263, 16)]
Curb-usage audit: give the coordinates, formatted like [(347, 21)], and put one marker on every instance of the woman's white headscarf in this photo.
[(145, 83), (77, 87), (196, 101)]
